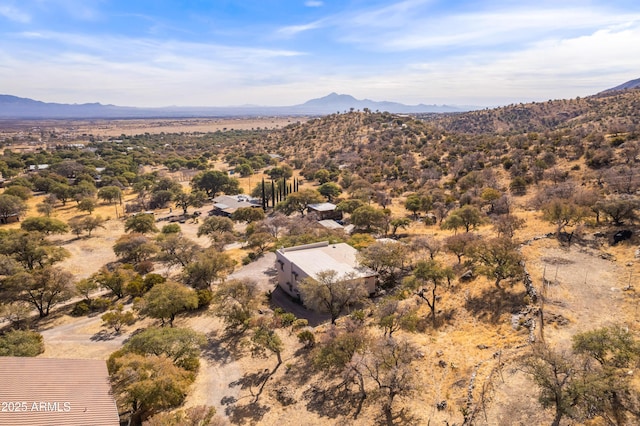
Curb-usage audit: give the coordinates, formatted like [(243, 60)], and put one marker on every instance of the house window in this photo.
[(281, 265), (295, 275)]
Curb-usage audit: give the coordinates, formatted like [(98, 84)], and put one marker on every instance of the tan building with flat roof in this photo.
[(294, 264)]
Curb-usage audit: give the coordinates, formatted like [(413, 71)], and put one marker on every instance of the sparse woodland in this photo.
[(469, 220)]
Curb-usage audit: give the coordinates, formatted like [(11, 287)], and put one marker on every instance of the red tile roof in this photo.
[(43, 392)]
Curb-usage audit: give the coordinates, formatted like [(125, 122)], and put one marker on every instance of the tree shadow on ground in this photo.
[(403, 417), (104, 335), (332, 402), (223, 347), (67, 241), (250, 413), (493, 303), (443, 317), (300, 372), (49, 321), (250, 380), (217, 350)]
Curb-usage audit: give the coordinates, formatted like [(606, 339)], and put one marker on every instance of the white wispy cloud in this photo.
[(292, 30), (314, 3), (119, 48), (394, 15), (562, 68), (14, 14), (78, 9), (398, 29), (138, 71)]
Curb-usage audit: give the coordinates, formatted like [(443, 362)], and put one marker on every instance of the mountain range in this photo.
[(13, 107)]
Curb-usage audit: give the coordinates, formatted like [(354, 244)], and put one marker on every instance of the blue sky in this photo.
[(268, 52)]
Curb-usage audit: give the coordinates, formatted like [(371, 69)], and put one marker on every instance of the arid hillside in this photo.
[(505, 244)]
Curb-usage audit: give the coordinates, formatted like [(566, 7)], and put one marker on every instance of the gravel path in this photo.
[(82, 338)]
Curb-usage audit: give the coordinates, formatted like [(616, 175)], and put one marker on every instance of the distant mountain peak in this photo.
[(631, 84), (340, 102), (331, 98)]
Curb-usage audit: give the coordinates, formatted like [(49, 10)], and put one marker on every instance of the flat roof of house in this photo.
[(46, 391), (318, 257), (322, 207)]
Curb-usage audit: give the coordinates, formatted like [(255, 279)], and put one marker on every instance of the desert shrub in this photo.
[(21, 343), (358, 315), (299, 324), (144, 267), (80, 309), (307, 338), (172, 228), (100, 304), (518, 186), (205, 297), (136, 287), (152, 279), (287, 319), (118, 318)]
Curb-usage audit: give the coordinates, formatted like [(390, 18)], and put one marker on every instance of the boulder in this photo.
[(467, 276), (622, 235)]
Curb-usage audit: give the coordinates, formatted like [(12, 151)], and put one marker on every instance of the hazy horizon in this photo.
[(281, 53)]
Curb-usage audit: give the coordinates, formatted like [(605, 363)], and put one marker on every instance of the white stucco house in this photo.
[(294, 264)]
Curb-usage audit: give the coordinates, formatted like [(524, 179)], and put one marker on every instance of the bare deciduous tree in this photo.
[(331, 293)]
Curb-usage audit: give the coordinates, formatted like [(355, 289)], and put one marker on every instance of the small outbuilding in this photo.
[(12, 218), (333, 225), (324, 211), (37, 167)]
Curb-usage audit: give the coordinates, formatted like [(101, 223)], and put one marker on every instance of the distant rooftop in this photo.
[(36, 167), (322, 207), (231, 203)]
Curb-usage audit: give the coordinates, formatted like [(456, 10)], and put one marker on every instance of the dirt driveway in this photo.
[(85, 338), (263, 271)]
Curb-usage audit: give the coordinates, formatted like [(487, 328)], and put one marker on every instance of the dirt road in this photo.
[(81, 338)]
